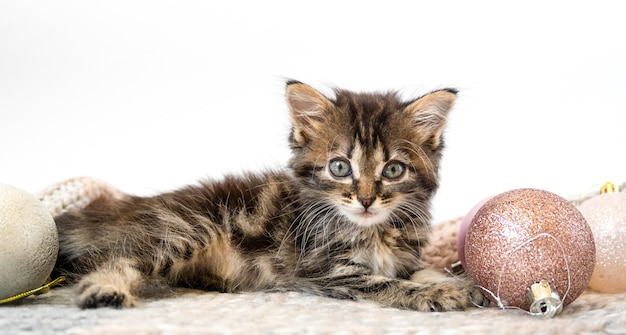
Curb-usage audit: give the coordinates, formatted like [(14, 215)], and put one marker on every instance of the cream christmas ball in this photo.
[(606, 214), (29, 243)]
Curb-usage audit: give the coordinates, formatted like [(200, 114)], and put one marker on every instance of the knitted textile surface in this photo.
[(196, 312), (76, 193)]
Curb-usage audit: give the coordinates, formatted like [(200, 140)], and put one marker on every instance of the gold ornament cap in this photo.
[(543, 301), (609, 187)]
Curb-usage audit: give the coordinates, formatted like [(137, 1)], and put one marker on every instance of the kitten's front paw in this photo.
[(95, 296), (450, 295)]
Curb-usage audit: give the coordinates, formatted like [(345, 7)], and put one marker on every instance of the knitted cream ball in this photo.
[(29, 243)]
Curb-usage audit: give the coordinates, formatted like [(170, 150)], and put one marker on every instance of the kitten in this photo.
[(346, 219)]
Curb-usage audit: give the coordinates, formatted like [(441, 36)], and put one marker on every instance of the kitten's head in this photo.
[(370, 157)]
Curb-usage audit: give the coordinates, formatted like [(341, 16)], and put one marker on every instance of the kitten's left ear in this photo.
[(430, 114)]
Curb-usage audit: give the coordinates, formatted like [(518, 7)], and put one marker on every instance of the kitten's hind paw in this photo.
[(95, 296)]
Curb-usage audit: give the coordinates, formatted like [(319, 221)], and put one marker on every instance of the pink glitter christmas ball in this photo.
[(523, 236), (467, 219)]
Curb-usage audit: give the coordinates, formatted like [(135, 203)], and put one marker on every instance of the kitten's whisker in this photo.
[(413, 224)]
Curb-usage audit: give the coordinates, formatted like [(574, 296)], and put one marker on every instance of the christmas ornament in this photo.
[(28, 242), (467, 219), (606, 215), (530, 249)]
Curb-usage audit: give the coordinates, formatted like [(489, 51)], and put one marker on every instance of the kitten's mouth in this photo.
[(367, 217), (367, 214)]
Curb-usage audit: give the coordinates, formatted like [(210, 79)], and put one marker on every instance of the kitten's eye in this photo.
[(393, 170), (340, 168)]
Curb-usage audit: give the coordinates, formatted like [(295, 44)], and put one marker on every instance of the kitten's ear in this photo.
[(307, 107), (430, 114)]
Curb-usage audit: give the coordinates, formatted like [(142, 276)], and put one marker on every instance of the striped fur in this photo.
[(347, 218)]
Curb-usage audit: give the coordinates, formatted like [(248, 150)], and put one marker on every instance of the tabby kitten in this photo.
[(346, 219)]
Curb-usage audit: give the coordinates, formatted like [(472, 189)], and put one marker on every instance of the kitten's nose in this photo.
[(366, 201)]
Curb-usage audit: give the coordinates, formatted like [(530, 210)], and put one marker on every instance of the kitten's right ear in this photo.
[(307, 108), (430, 114)]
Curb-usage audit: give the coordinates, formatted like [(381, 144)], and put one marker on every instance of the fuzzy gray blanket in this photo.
[(190, 312)]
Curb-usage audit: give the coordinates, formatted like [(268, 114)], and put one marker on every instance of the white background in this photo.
[(153, 95)]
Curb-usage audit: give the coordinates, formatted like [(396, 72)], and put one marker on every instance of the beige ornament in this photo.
[(29, 243)]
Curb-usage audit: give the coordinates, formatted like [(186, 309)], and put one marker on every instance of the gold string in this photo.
[(43, 289)]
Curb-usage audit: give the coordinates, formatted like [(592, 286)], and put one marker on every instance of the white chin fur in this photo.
[(366, 219)]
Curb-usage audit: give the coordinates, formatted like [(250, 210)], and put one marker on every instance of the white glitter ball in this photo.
[(606, 215)]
